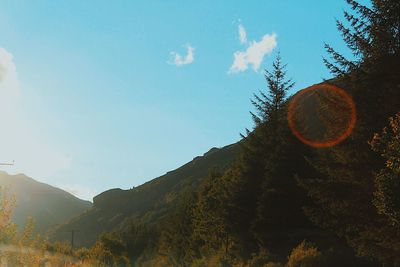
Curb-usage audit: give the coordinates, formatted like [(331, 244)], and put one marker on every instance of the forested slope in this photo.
[(150, 201)]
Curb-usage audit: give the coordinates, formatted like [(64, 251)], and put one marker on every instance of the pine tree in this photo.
[(210, 224), (268, 105), (271, 159), (370, 33), (343, 189)]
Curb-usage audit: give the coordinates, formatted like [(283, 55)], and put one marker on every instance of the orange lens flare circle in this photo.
[(322, 115)]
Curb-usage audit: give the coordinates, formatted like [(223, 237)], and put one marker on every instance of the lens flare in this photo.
[(322, 115)]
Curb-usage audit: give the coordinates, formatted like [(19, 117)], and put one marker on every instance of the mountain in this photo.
[(47, 205), (114, 209), (149, 202)]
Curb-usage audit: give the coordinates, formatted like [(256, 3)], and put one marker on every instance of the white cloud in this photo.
[(179, 60), (242, 34), (254, 53), (21, 139)]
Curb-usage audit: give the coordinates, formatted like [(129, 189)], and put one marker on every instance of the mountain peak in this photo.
[(46, 204)]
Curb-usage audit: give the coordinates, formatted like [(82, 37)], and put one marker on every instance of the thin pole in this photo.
[(72, 237)]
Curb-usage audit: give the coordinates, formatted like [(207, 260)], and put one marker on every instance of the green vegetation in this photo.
[(304, 256), (280, 192), (23, 248), (387, 199)]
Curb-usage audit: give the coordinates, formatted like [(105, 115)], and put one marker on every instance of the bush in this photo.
[(304, 255), (263, 258)]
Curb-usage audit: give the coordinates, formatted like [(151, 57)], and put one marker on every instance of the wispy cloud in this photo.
[(242, 34), (20, 138), (179, 60), (255, 52)]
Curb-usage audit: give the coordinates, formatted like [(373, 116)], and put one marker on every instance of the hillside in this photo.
[(46, 204), (114, 209), (149, 201)]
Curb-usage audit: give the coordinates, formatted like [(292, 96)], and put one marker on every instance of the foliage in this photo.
[(110, 250), (268, 105), (370, 33), (7, 228), (24, 249), (257, 205), (304, 255), (387, 180), (275, 157), (211, 228), (343, 189), (263, 258)]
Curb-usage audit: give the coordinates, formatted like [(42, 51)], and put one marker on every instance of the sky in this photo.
[(103, 94)]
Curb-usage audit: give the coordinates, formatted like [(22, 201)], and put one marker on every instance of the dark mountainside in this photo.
[(46, 204), (149, 202)]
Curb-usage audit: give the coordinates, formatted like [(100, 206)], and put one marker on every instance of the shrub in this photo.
[(304, 255)]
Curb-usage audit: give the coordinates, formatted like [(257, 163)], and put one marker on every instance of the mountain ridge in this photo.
[(46, 204), (149, 201)]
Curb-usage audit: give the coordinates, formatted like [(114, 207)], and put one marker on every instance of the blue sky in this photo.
[(101, 94)]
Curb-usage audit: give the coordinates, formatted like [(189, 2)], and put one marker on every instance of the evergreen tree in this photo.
[(176, 243), (279, 213), (370, 33), (269, 105), (387, 181), (343, 190), (212, 231)]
